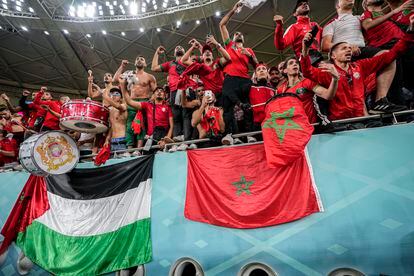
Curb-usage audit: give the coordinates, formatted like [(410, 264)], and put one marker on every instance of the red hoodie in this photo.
[(295, 34)]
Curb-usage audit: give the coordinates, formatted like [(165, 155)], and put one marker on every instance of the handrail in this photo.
[(196, 141), (245, 134)]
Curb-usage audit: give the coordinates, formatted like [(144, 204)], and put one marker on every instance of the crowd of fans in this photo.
[(210, 93)]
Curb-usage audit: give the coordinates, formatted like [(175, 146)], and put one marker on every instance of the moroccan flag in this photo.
[(286, 130), (98, 220), (234, 187)]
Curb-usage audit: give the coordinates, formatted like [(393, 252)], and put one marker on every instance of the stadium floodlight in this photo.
[(198, 22), (5, 7), (218, 13), (24, 28), (66, 32), (31, 10), (178, 23), (46, 32), (158, 29), (88, 35), (133, 8), (90, 11), (123, 33), (141, 30), (81, 11), (103, 32)]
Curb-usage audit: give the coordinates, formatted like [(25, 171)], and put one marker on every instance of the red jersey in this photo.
[(259, 95), (162, 112), (210, 121), (174, 70), (8, 145), (51, 121), (214, 80), (402, 18), (304, 89), (294, 35), (238, 66), (381, 34), (349, 100), (35, 112)]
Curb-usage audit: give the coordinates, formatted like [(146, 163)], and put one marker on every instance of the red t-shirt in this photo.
[(8, 145), (403, 17), (214, 80), (35, 112), (258, 95), (383, 33), (51, 121), (304, 89), (238, 66), (174, 70), (162, 115)]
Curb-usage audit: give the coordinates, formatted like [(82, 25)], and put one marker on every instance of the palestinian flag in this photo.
[(234, 187), (286, 130), (86, 222)]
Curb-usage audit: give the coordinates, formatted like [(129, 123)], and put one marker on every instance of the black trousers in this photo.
[(231, 95)]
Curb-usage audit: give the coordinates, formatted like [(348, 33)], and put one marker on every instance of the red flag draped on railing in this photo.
[(286, 130), (234, 187)]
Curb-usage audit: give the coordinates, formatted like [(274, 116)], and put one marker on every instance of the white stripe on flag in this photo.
[(98, 216)]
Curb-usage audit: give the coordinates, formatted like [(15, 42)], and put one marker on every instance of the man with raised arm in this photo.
[(237, 72), (350, 98), (346, 27), (157, 111), (141, 91), (117, 118), (295, 33), (174, 68)]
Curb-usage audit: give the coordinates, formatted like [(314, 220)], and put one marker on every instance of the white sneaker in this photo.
[(192, 146), (251, 139), (227, 140), (136, 153), (182, 147), (237, 141), (173, 149), (179, 138)]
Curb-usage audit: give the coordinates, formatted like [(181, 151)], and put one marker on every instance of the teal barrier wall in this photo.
[(366, 181)]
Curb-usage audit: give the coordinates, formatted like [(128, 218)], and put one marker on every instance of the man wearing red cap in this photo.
[(236, 71), (350, 98), (296, 32)]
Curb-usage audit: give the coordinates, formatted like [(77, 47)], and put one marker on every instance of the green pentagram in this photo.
[(22, 197), (243, 186), (281, 129)]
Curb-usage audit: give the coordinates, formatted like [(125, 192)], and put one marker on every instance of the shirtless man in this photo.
[(117, 118), (94, 91), (140, 92)]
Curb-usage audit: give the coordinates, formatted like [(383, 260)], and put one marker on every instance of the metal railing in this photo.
[(393, 116)]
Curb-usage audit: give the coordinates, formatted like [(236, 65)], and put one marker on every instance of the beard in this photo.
[(139, 66), (179, 53), (159, 99), (239, 39)]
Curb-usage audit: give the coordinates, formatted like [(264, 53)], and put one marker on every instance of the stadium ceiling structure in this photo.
[(55, 42)]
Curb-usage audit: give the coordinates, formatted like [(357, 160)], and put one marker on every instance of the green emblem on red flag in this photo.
[(281, 129), (243, 186)]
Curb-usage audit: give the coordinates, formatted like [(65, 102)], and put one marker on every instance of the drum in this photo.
[(84, 116), (52, 152)]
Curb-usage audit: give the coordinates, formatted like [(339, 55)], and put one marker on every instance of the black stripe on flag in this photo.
[(101, 182)]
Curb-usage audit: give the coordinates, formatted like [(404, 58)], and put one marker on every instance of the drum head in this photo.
[(55, 153), (83, 125)]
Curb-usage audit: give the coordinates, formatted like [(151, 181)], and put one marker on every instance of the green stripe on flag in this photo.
[(129, 246)]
